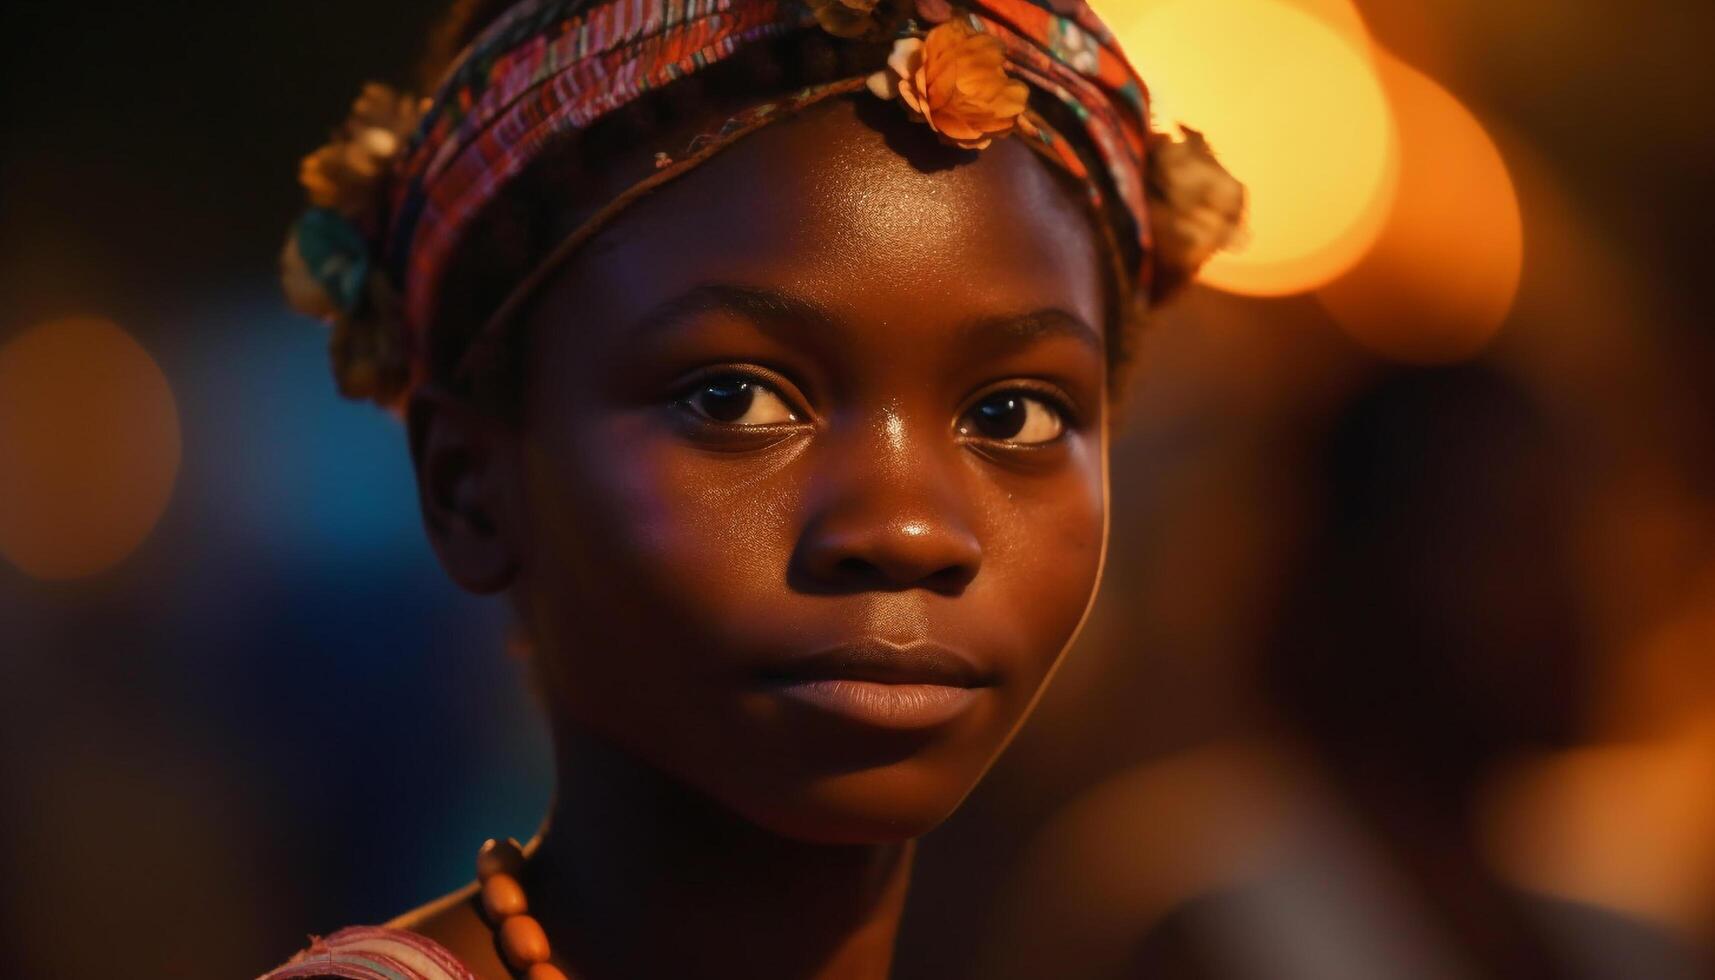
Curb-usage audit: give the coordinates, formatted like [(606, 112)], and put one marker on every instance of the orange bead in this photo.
[(523, 942), (544, 971), (499, 857), (502, 896)]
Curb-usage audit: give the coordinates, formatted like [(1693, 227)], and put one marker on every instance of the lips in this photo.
[(885, 685), (881, 662)]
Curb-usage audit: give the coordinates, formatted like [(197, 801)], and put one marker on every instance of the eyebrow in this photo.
[(1029, 328), (773, 311), (766, 307)]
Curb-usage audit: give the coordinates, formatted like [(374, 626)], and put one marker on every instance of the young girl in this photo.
[(760, 353)]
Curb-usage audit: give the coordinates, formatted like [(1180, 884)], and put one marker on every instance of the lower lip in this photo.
[(900, 707)]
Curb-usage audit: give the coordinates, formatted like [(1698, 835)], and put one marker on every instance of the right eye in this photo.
[(738, 401), (1015, 418)]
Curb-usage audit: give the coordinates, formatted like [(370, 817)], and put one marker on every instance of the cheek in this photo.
[(1044, 555), (670, 551), (645, 545)]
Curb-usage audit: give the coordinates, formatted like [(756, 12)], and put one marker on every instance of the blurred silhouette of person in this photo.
[(1628, 817), (1428, 633)]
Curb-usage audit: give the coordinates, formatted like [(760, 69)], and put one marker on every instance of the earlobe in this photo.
[(465, 460)]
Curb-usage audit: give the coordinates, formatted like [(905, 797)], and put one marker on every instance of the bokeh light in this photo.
[(1342, 15), (1291, 103), (89, 447), (1445, 270)]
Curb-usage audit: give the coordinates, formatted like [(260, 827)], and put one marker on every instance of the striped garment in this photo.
[(373, 953)]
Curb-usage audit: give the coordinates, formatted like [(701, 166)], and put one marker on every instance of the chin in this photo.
[(888, 804)]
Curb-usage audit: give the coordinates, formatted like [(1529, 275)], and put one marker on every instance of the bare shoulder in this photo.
[(455, 921)]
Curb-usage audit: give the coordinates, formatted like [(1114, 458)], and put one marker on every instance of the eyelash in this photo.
[(700, 381), (1046, 393), (1049, 395)]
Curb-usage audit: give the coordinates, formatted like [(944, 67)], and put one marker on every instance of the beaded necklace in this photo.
[(522, 941)]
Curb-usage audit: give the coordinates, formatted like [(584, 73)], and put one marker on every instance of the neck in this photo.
[(637, 875)]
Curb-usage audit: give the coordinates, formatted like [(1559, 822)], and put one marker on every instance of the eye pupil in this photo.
[(727, 400), (1001, 416)]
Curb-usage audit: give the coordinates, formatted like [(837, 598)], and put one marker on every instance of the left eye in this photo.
[(1014, 417), (738, 401)]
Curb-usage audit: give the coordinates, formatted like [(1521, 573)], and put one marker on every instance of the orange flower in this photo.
[(955, 80)]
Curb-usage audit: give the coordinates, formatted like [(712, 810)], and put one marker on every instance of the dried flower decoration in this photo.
[(869, 20), (327, 268), (1196, 206), (344, 175), (954, 79)]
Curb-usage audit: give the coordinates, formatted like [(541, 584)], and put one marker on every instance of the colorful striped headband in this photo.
[(402, 182)]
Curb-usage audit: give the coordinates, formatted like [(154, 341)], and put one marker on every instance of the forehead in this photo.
[(857, 210)]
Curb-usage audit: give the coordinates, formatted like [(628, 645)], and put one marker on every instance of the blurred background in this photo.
[(1405, 662)]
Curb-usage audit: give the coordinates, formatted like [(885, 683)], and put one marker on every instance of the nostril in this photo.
[(855, 571), (950, 580), (852, 567)]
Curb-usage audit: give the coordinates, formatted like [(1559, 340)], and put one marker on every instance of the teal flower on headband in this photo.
[(328, 267), (326, 264), (328, 259), (327, 272)]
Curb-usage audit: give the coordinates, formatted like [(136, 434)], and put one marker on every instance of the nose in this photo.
[(888, 521)]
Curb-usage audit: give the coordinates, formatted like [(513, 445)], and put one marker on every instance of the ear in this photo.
[(467, 485)]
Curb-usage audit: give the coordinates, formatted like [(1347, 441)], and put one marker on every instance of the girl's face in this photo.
[(809, 493)]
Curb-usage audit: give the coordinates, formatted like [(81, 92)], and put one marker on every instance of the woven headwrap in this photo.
[(404, 180)]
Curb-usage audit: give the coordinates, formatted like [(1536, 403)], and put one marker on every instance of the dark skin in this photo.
[(813, 394)]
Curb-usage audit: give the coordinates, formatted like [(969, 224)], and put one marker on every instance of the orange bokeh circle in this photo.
[(89, 447), (1289, 99), (1443, 275), (1342, 15)]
